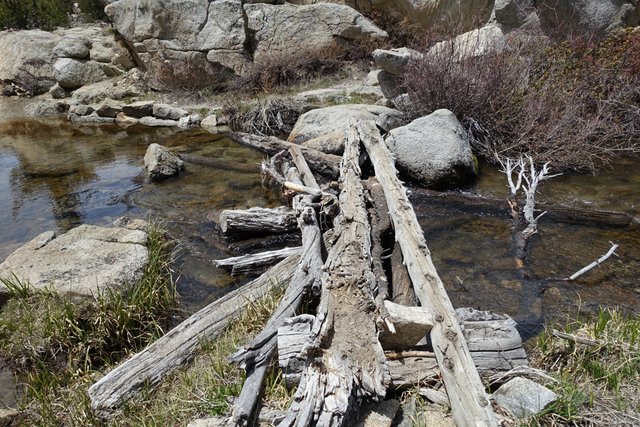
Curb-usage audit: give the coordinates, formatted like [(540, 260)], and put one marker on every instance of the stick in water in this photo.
[(595, 263)]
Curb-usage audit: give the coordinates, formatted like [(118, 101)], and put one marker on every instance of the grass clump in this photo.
[(598, 382), (206, 388), (58, 345), (575, 103)]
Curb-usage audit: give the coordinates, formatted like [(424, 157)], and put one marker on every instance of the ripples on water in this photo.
[(55, 176)]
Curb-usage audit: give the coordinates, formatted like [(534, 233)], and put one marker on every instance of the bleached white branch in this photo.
[(595, 263)]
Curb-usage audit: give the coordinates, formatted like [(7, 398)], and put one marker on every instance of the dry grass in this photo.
[(599, 383)]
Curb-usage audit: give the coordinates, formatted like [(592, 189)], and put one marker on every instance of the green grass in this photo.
[(597, 383), (57, 344)]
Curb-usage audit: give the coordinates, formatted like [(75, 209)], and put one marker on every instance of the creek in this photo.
[(54, 176)]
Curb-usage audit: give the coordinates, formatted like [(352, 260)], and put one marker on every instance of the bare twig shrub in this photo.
[(575, 103), (279, 70), (271, 116), (190, 74)]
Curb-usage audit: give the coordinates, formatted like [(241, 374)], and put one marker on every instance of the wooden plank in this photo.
[(469, 401), (148, 367)]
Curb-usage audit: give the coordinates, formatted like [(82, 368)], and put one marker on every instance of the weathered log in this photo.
[(345, 364), (469, 402), (252, 263), (151, 365), (218, 164), (255, 356), (258, 221), (557, 213), (494, 343), (325, 164)]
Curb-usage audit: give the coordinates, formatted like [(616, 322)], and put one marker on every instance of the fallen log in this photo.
[(255, 262), (148, 367), (493, 340), (257, 354), (559, 213), (325, 164), (258, 221), (469, 402), (345, 364)]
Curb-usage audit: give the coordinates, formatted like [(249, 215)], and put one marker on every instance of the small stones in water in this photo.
[(160, 162)]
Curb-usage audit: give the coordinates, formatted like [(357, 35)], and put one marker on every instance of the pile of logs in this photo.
[(379, 319)]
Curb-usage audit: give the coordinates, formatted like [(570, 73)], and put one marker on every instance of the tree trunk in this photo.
[(258, 221), (254, 263)]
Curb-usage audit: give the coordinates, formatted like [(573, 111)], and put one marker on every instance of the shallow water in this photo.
[(55, 176)]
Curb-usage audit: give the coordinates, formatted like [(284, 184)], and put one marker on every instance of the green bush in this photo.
[(46, 14)]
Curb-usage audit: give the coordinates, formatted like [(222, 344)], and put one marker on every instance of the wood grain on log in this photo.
[(325, 164), (345, 363), (255, 262), (258, 221), (469, 402), (148, 367)]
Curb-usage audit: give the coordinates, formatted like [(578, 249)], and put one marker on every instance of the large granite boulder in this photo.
[(161, 163), (288, 29), (83, 261), (324, 128), (523, 397), (587, 16), (34, 60), (433, 150), (27, 60)]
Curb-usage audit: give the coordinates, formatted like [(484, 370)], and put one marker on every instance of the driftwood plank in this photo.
[(469, 402), (325, 164), (151, 365), (258, 221), (255, 262)]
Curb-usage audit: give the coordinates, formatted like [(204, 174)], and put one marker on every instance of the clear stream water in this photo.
[(54, 176)]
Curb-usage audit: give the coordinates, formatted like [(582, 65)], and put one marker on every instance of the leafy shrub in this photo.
[(46, 14), (575, 103)]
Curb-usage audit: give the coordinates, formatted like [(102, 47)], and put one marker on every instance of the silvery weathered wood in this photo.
[(325, 164), (469, 402), (255, 262), (258, 221), (255, 356), (345, 364), (148, 367)]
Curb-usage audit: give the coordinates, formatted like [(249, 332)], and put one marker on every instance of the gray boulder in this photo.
[(139, 109), (524, 398), (433, 150), (154, 122), (512, 13), (83, 261), (72, 46), (587, 16), (323, 128), (160, 162), (288, 29), (73, 73), (482, 41), (109, 108), (57, 92), (394, 61), (168, 112), (131, 84), (27, 60)]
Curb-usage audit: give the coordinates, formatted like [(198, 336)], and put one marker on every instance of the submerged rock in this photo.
[(433, 150), (160, 162), (83, 261)]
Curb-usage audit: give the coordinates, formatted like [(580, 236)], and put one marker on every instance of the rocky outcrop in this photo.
[(287, 29), (209, 41), (161, 163), (587, 16), (323, 128), (34, 61), (433, 150), (83, 261)]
